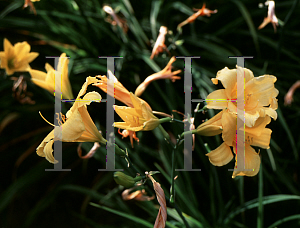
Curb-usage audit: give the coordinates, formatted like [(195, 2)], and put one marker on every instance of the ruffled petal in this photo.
[(217, 99), (263, 140), (220, 156), (229, 122), (40, 148), (228, 79), (49, 152), (73, 128), (252, 163)]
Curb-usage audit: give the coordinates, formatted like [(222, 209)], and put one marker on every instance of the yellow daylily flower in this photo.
[(257, 135), (259, 95), (138, 118), (166, 73), (78, 127), (47, 80), (16, 58)]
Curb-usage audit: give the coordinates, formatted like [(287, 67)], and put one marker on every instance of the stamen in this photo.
[(46, 120)]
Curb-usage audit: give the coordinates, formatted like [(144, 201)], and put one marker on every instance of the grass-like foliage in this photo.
[(86, 197)]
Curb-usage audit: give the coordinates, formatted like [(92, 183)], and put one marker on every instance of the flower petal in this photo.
[(228, 79), (263, 140), (252, 163), (229, 122), (220, 156), (217, 99), (73, 128)]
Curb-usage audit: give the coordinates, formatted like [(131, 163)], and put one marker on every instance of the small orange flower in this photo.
[(271, 16), (16, 58), (131, 134), (166, 73), (159, 45), (200, 12)]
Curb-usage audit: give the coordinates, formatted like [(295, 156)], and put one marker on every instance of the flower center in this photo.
[(61, 118), (10, 63)]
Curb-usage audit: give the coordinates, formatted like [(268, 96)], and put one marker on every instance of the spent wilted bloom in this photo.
[(161, 218), (47, 80), (200, 12), (288, 98), (166, 73), (271, 18), (225, 123), (116, 19), (138, 118), (29, 3), (259, 94), (159, 45), (16, 58), (77, 126)]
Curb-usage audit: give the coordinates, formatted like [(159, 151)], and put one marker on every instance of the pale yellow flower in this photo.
[(259, 95), (47, 80), (257, 135), (166, 73), (138, 118), (78, 127), (16, 58)]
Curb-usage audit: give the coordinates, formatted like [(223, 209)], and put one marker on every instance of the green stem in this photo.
[(131, 164)]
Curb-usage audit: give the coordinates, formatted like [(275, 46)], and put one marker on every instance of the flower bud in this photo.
[(125, 180)]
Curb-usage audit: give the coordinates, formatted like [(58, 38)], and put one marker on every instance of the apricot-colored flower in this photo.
[(257, 135), (47, 80), (78, 126), (200, 12), (16, 58), (159, 45), (271, 18), (259, 95), (166, 73), (138, 118)]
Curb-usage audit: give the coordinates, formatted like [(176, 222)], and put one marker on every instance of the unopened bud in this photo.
[(125, 180)]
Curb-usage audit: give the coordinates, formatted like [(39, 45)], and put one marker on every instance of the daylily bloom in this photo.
[(16, 58), (271, 16), (200, 12), (138, 118), (259, 95), (166, 73), (159, 45), (29, 3), (47, 80), (78, 126), (225, 122), (121, 94)]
